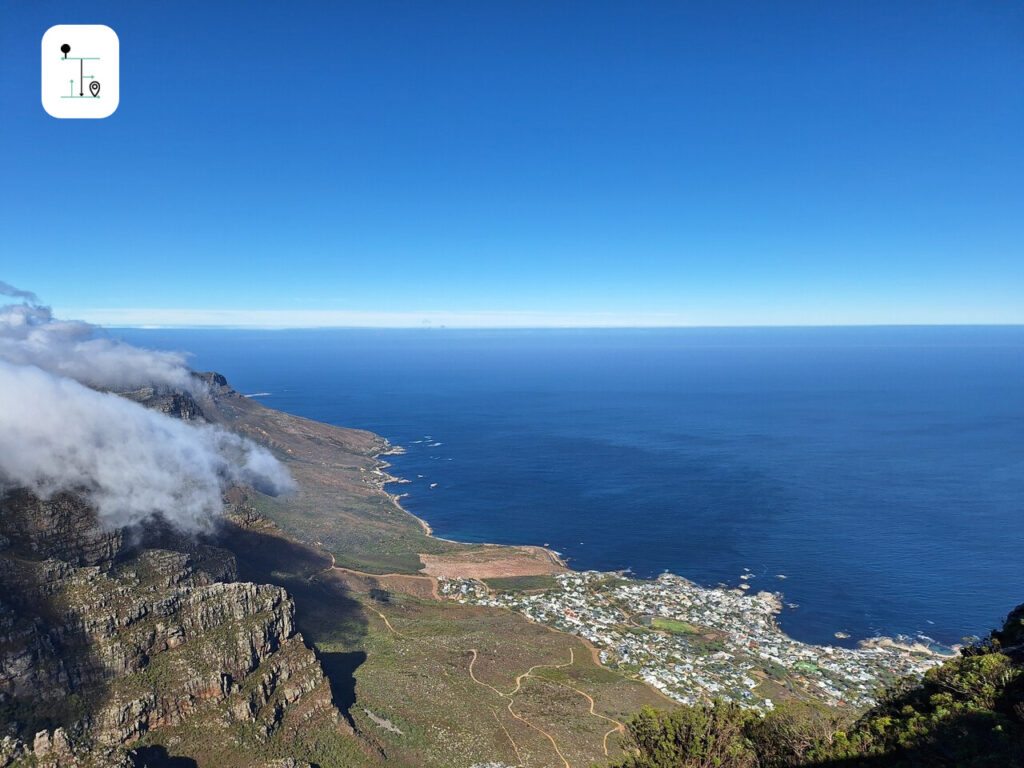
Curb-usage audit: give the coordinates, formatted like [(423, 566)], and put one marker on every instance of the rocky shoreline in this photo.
[(697, 643), (737, 632)]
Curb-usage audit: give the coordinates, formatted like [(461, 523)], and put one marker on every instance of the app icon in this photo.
[(80, 70)]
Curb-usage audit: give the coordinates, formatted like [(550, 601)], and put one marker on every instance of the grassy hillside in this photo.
[(425, 681)]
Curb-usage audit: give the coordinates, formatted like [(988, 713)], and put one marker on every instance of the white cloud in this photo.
[(129, 461), (30, 335), (57, 433)]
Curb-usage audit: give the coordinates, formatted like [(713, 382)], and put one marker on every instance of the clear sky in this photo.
[(492, 163)]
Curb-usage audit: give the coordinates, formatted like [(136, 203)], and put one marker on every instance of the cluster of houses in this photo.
[(696, 643)]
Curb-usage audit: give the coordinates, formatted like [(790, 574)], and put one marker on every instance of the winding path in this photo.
[(519, 757), (381, 578), (510, 696), (518, 681), (620, 727)]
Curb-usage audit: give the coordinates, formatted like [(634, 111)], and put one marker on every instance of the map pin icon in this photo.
[(94, 86)]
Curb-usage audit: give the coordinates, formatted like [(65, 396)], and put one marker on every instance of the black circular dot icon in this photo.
[(65, 49)]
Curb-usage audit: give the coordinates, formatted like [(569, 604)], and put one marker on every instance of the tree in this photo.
[(966, 713), (688, 737)]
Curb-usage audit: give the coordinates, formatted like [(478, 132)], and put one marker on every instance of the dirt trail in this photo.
[(475, 679), (620, 727), (539, 730), (515, 747), (594, 653), (393, 581), (510, 695), (519, 757), (388, 625)]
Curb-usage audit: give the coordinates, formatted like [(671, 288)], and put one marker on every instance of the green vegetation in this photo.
[(522, 583), (243, 745), (324, 611), (416, 676), (432, 683), (674, 626), (405, 683), (29, 716), (341, 506), (610, 581), (370, 534), (967, 713)]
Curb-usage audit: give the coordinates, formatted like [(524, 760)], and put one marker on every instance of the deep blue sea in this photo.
[(881, 470)]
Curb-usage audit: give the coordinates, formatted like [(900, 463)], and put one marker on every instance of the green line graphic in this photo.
[(82, 77)]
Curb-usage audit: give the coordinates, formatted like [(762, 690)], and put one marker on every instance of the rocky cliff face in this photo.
[(124, 648), (111, 639), (179, 405)]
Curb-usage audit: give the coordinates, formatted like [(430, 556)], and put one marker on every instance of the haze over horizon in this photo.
[(502, 165), (313, 320)]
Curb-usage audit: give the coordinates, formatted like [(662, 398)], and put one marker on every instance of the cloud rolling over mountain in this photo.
[(58, 433)]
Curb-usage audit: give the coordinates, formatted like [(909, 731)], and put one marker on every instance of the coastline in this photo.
[(560, 565), (695, 644), (386, 478)]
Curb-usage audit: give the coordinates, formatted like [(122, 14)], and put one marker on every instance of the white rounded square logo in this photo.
[(80, 70)]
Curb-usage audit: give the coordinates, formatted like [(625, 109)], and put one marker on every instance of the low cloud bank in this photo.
[(58, 434), (30, 335)]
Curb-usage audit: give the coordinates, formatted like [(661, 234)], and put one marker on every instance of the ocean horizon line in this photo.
[(273, 319), (551, 327)]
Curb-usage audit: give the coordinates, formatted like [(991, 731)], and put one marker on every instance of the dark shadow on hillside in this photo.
[(53, 671), (157, 757), (340, 669), (325, 611)]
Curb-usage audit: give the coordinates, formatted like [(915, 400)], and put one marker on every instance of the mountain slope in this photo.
[(139, 643)]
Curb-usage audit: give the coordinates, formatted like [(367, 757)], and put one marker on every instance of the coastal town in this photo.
[(695, 644)]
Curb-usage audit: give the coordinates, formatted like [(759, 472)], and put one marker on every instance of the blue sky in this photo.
[(492, 163)]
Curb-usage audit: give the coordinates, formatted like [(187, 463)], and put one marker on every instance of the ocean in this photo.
[(879, 470)]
